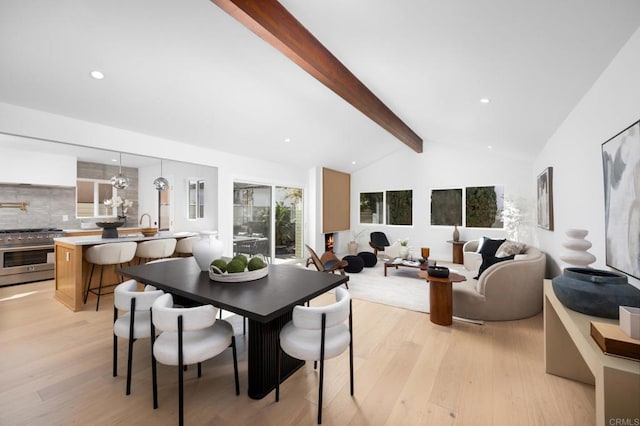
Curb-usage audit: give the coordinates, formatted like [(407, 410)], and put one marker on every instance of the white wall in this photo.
[(438, 167), (178, 174), (39, 124), (574, 151), (36, 170)]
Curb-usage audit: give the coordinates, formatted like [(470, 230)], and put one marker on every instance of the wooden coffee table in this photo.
[(441, 297), (391, 264)]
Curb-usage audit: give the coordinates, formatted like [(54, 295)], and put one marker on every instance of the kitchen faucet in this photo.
[(142, 217)]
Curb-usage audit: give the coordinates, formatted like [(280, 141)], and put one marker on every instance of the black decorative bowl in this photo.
[(109, 228), (438, 271), (595, 292)]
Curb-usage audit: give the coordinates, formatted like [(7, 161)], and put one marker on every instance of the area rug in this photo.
[(401, 288)]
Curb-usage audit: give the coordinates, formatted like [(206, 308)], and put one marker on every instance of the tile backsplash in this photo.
[(46, 206)]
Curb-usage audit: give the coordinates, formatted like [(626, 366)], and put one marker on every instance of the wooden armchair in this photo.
[(329, 262)]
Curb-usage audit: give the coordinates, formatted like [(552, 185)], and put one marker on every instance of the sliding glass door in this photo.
[(288, 223), (267, 220)]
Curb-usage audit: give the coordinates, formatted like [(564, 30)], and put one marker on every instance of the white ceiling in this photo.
[(187, 71)]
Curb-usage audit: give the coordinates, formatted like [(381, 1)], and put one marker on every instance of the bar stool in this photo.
[(106, 255), (184, 246), (155, 249)]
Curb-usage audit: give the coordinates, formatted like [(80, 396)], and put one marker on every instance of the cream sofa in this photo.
[(507, 290)]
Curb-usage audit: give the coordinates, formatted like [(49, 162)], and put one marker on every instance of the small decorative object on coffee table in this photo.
[(438, 271)]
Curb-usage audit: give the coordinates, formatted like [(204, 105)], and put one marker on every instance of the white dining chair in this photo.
[(316, 334), (188, 336), (135, 323)]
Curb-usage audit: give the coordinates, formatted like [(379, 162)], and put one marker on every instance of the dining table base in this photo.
[(262, 358)]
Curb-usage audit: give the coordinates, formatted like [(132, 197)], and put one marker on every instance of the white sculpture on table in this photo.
[(576, 253)]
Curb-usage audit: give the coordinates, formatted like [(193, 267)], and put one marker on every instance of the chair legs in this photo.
[(99, 289), (181, 369), (315, 363), (130, 349)]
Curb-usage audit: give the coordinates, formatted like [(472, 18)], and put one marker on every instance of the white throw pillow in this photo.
[(510, 247)]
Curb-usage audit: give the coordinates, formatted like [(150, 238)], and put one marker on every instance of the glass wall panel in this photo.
[(289, 243), (252, 219)]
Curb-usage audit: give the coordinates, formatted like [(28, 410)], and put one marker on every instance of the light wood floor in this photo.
[(55, 369)]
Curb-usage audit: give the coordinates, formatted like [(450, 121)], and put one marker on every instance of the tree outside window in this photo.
[(371, 207), (400, 207), (484, 206)]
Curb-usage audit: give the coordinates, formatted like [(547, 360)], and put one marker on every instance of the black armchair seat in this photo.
[(378, 241)]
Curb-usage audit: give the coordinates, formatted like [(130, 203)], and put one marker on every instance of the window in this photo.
[(90, 194), (399, 207), (446, 207), (371, 207), (484, 205), (196, 199)]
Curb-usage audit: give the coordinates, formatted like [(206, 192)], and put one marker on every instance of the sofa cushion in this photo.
[(488, 261), (490, 246), (510, 247)]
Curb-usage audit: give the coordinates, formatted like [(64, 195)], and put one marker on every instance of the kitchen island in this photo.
[(72, 270)]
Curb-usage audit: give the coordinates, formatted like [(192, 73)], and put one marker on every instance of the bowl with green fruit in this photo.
[(238, 269)]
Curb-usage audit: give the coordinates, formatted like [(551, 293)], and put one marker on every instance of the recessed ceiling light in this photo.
[(115, 160), (490, 146), (353, 162), (287, 139), (484, 101), (97, 75)]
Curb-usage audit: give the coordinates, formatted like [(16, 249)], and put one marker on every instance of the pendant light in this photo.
[(120, 181), (161, 183)]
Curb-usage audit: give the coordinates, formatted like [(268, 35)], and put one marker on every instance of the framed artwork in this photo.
[(621, 172), (545, 199)]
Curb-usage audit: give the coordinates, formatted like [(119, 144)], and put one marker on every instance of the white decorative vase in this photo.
[(577, 246), (352, 246), (404, 251), (206, 249)]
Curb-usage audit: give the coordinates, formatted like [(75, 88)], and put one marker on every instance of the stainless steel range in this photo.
[(27, 255)]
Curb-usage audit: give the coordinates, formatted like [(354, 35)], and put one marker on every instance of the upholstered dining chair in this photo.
[(135, 323), (188, 336), (316, 334), (378, 241), (329, 262)]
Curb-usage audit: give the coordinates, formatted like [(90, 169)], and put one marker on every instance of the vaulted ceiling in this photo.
[(186, 70)]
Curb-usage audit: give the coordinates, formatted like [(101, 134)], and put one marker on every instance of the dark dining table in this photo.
[(267, 302)]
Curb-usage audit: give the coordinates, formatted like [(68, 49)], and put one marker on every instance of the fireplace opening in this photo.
[(328, 242)]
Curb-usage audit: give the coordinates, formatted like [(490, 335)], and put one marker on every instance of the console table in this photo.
[(571, 352)]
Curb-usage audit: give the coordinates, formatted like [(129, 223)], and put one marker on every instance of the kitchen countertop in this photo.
[(97, 228), (97, 239)]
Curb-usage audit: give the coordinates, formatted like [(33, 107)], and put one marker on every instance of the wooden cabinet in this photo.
[(68, 275)]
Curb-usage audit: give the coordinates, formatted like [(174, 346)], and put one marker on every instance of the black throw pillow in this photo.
[(490, 247), (491, 260)]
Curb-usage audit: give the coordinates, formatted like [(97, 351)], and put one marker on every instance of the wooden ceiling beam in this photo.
[(274, 24)]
